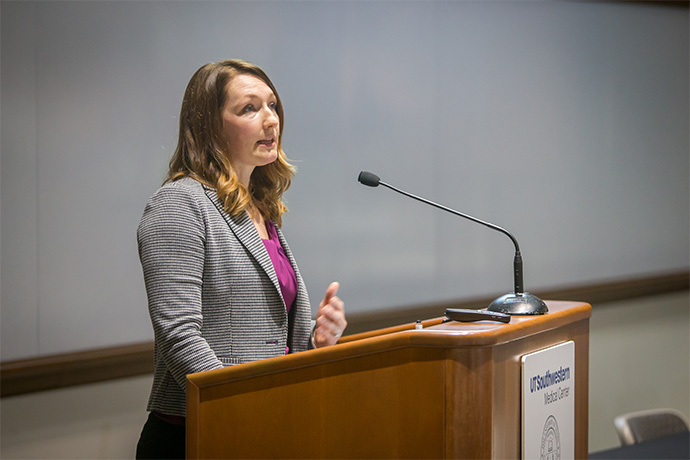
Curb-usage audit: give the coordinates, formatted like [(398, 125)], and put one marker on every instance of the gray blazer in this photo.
[(214, 297)]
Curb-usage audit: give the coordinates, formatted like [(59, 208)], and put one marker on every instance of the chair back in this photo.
[(636, 427)]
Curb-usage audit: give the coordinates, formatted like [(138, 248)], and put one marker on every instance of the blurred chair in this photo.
[(636, 427)]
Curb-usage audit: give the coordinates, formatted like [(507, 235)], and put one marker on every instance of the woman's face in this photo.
[(250, 124)]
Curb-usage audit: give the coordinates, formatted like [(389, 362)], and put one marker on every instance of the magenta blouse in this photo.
[(281, 264)]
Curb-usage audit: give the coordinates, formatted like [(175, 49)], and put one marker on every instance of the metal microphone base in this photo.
[(522, 303)]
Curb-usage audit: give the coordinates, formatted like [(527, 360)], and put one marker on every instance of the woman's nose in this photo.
[(270, 118)]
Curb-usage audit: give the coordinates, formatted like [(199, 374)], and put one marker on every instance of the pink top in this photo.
[(281, 264)]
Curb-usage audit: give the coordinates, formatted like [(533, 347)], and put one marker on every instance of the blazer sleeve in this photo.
[(171, 240)]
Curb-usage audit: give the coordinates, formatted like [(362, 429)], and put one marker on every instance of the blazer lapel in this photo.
[(243, 228)]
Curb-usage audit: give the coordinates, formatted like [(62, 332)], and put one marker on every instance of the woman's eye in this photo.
[(273, 106), (248, 108)]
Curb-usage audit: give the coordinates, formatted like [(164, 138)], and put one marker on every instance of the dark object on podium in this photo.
[(457, 314)]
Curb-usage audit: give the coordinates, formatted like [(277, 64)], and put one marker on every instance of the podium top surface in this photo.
[(435, 333), (483, 333)]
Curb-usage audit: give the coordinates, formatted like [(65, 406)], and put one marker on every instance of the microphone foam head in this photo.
[(368, 179)]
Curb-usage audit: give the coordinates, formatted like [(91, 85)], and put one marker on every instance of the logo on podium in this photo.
[(548, 403), (551, 440)]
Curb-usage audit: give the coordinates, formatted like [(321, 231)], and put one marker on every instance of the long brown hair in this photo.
[(201, 151)]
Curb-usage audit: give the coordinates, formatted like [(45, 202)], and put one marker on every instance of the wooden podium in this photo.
[(449, 390)]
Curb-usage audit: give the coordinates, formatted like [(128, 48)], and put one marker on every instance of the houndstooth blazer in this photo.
[(213, 295)]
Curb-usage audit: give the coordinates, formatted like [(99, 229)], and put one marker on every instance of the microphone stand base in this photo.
[(522, 303)]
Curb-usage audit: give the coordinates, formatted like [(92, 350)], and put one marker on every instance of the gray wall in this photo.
[(565, 122)]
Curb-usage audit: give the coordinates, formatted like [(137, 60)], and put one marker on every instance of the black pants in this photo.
[(161, 440)]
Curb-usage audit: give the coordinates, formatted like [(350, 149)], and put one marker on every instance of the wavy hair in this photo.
[(202, 154)]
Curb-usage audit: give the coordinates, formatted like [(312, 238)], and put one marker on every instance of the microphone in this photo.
[(514, 303)]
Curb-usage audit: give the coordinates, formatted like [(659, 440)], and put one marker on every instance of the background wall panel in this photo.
[(565, 122)]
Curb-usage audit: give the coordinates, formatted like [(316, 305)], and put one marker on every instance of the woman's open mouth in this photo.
[(269, 142)]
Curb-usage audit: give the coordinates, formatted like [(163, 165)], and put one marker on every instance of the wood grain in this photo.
[(450, 390)]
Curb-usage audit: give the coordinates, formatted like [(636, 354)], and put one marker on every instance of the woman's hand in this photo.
[(330, 318)]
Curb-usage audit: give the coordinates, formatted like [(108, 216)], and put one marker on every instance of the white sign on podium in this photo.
[(548, 403)]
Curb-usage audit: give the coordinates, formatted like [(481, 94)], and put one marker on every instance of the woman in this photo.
[(222, 285)]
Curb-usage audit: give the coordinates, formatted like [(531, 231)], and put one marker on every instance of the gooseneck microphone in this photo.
[(515, 303)]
